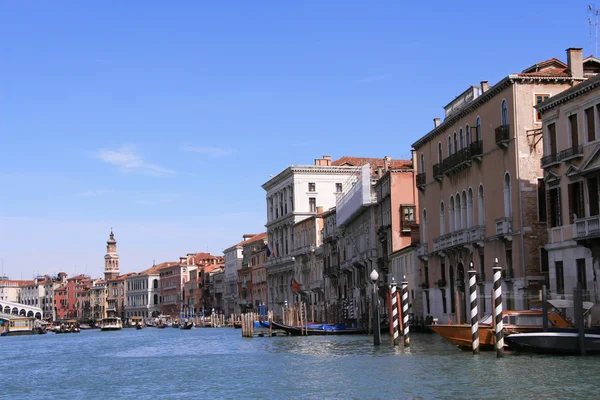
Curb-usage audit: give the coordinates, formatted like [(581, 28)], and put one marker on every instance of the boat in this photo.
[(16, 325), (175, 324), (187, 325), (138, 326), (553, 342), (111, 324), (67, 326), (237, 324), (312, 329), (514, 321)]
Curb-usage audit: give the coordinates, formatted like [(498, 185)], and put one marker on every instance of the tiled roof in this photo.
[(553, 63), (211, 268), (548, 72), (375, 162), (254, 238)]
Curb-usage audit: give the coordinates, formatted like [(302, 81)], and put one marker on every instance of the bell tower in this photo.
[(111, 259)]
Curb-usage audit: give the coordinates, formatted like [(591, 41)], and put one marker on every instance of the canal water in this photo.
[(220, 364)]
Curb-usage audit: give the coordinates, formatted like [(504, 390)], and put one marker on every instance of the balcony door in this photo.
[(592, 186), (552, 138)]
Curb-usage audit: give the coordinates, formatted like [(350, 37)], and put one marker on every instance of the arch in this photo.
[(468, 134), (15, 311), (30, 313), (23, 312), (463, 211), (442, 219), (461, 138), (470, 221), (504, 112), (507, 195), (38, 315), (457, 213), (478, 129), (451, 214), (440, 153), (6, 310), (481, 205)]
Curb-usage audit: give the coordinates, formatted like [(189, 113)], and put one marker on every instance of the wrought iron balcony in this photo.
[(457, 161), (438, 171), (572, 152), (550, 160), (421, 180), (502, 134), (476, 149)]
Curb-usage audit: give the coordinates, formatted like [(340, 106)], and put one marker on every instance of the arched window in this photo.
[(442, 219), (462, 139), (478, 130), (424, 224), (155, 299), (481, 206), (468, 133), (463, 211), (504, 113), (155, 284), (422, 163), (449, 146), (507, 196), (440, 155), (457, 213), (451, 215), (455, 143), (470, 208)]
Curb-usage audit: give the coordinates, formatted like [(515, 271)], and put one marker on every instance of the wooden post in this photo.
[(474, 311), (498, 309), (405, 326), (544, 308), (579, 322), (394, 312), (270, 317)]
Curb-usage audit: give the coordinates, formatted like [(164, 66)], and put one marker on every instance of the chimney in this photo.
[(484, 86), (575, 62), (248, 236), (436, 122), (182, 260), (323, 162), (386, 163)]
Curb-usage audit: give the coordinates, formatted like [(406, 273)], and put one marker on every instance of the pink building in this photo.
[(172, 282)]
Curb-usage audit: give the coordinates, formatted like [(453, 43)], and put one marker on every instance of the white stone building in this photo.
[(143, 292)]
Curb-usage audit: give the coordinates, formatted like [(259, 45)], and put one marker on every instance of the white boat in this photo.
[(111, 324)]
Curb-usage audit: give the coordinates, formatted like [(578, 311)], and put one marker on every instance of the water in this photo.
[(220, 364)]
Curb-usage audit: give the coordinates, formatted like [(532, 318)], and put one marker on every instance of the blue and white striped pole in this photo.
[(394, 312), (498, 309), (474, 311), (405, 312)]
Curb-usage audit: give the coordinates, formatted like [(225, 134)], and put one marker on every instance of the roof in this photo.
[(374, 162), (260, 236), (210, 268), (155, 268), (569, 94), (78, 277)]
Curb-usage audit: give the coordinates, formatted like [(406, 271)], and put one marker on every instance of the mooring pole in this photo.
[(394, 307), (544, 308), (406, 328), (474, 311), (578, 308), (498, 309)]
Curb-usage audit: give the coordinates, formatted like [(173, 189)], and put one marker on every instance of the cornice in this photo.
[(307, 169), (569, 94)]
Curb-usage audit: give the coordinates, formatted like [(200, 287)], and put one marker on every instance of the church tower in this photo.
[(111, 259)]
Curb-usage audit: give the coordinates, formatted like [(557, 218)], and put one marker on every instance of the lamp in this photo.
[(376, 327), (374, 276)]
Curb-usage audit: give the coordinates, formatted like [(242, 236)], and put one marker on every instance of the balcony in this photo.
[(422, 251), (332, 270), (550, 160), (421, 180), (407, 225), (476, 149), (587, 228), (504, 228), (457, 161), (502, 134), (438, 172), (474, 235), (572, 152)]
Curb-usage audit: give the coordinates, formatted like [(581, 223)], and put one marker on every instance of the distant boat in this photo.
[(319, 329), (187, 325), (553, 342), (111, 324), (15, 325), (138, 326)]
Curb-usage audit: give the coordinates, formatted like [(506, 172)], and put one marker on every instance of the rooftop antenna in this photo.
[(593, 21)]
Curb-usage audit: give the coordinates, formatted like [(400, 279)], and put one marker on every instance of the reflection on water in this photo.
[(219, 363)]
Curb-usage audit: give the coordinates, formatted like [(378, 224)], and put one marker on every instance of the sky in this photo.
[(162, 120)]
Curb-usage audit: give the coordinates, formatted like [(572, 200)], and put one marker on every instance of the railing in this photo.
[(585, 227), (476, 148), (503, 226), (571, 152), (550, 159), (421, 179), (502, 134), (556, 235), (438, 171), (406, 225), (456, 159), (459, 238)]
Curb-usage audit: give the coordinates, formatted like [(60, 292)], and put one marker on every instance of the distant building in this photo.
[(111, 259)]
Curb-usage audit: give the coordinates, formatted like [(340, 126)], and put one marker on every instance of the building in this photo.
[(111, 259), (172, 281), (215, 289), (143, 292), (40, 293), (479, 173), (331, 268), (98, 297), (66, 297), (233, 263), (570, 189), (10, 290), (253, 253), (83, 305), (292, 196)]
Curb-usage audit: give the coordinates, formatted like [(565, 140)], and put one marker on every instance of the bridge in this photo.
[(8, 307)]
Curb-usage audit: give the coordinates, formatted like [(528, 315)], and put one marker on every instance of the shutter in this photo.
[(581, 205), (572, 199), (549, 212), (558, 208)]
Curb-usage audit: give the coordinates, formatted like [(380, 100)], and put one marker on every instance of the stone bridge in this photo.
[(8, 307)]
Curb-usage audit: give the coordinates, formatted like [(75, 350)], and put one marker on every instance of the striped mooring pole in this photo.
[(498, 309), (405, 327), (394, 300), (474, 311)]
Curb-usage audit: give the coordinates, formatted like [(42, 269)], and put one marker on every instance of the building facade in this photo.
[(478, 183), (143, 292)]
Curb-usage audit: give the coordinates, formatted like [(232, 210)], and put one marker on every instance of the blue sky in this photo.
[(163, 121)]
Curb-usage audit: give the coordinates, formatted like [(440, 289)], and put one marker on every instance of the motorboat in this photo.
[(111, 324), (554, 342)]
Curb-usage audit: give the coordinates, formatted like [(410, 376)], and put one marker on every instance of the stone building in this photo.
[(479, 175)]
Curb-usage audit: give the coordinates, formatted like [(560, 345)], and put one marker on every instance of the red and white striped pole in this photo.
[(394, 307), (498, 309), (474, 311), (405, 312)]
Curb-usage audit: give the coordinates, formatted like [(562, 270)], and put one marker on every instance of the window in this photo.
[(554, 203), (509, 260), (560, 278), (440, 155), (552, 138), (591, 124), (442, 219), (543, 260), (539, 98), (481, 206), (462, 139), (541, 191), (338, 188), (592, 184), (573, 130), (312, 204), (444, 306), (408, 213), (581, 273), (449, 146), (478, 130), (504, 113), (507, 196), (576, 205), (312, 187), (468, 133), (455, 143), (422, 163)]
